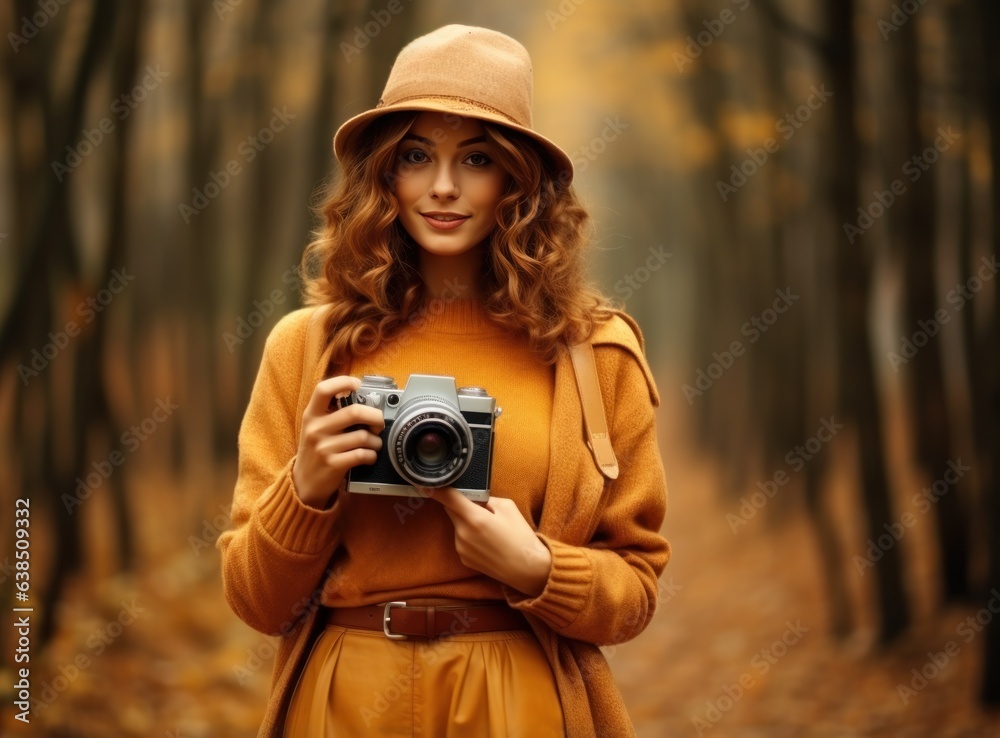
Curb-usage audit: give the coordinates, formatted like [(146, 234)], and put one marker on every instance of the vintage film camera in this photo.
[(436, 435)]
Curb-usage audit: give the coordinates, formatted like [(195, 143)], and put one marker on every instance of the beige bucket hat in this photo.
[(464, 70)]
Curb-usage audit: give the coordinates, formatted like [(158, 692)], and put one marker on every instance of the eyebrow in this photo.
[(428, 142)]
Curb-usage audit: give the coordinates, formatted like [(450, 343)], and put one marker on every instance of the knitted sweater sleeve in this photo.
[(606, 591), (274, 555)]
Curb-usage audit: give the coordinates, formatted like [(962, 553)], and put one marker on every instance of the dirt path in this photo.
[(740, 644)]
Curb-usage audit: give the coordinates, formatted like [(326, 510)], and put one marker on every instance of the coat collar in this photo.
[(575, 484)]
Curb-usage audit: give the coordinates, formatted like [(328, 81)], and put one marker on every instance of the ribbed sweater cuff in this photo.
[(292, 524), (567, 589)]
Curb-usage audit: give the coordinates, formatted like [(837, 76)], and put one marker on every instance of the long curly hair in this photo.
[(363, 263)]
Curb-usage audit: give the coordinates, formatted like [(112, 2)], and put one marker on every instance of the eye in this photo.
[(478, 160), (414, 156)]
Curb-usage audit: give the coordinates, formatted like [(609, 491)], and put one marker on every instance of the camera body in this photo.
[(436, 435)]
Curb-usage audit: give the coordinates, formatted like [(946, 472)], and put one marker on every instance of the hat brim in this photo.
[(347, 133)]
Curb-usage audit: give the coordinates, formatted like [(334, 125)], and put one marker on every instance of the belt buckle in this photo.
[(385, 622)]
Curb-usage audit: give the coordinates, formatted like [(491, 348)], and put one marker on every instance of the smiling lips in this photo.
[(444, 221)]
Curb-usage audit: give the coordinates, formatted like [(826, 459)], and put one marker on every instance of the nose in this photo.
[(445, 183)]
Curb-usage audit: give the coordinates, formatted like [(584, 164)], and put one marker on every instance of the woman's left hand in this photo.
[(496, 540)]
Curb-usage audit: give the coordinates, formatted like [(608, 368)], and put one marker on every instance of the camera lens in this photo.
[(430, 443), (430, 448), (433, 452)]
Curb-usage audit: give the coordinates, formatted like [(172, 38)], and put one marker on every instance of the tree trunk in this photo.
[(124, 68), (724, 405), (990, 688), (196, 364), (913, 219), (51, 259), (859, 396)]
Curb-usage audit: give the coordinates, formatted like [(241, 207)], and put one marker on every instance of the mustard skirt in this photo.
[(357, 682)]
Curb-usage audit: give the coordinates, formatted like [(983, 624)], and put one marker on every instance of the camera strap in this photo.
[(594, 421)]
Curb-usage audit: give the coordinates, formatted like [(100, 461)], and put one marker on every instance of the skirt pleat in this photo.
[(357, 682)]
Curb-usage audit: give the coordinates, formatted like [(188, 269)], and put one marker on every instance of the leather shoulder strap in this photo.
[(594, 421)]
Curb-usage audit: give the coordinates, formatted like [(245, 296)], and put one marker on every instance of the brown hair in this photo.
[(363, 263)]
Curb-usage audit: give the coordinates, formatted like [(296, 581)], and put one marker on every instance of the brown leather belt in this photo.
[(399, 620)]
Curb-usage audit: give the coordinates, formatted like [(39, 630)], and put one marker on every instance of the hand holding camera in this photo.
[(497, 540), (435, 434), (431, 439), (327, 449), (389, 441)]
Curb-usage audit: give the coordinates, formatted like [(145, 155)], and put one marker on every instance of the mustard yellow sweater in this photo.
[(395, 548), (280, 558)]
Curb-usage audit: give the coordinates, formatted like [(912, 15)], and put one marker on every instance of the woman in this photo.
[(450, 246)]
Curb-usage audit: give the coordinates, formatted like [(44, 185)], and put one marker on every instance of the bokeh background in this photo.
[(796, 198)]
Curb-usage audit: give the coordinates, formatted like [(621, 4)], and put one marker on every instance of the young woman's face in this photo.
[(447, 183)]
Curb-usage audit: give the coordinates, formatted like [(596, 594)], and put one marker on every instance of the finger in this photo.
[(500, 505), (506, 508), (428, 492), (326, 390), (340, 442), (432, 494), (339, 420), (454, 501), (350, 459)]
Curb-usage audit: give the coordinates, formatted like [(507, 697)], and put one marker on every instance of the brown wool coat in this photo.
[(607, 552)]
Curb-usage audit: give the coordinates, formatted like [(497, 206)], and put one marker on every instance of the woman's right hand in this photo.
[(326, 453)]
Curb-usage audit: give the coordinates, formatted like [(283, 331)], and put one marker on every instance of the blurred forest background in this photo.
[(797, 200)]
